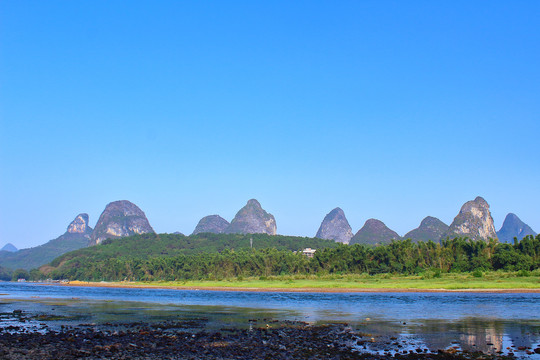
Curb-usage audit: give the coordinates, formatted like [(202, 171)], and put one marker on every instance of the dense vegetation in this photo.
[(165, 246), (170, 245), (5, 274), (209, 256)]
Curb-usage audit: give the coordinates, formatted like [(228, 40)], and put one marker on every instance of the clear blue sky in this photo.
[(388, 109)]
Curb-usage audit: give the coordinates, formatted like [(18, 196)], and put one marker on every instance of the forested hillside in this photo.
[(215, 256), (152, 245)]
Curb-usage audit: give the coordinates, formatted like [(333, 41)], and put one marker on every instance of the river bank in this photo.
[(284, 289), (490, 282)]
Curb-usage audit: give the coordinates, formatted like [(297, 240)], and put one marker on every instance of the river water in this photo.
[(489, 322)]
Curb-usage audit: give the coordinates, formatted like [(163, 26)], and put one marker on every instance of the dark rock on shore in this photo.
[(177, 340)]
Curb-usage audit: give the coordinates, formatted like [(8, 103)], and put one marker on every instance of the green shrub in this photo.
[(477, 273), (523, 273)]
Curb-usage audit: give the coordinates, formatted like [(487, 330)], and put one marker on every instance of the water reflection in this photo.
[(475, 334)]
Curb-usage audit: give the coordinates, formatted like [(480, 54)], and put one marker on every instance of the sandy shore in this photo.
[(300, 290)]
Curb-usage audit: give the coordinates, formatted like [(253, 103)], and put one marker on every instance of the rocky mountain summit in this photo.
[(9, 247), (211, 224), (513, 227), (119, 219), (374, 232), (80, 225), (430, 228), (473, 221), (252, 219), (335, 227)]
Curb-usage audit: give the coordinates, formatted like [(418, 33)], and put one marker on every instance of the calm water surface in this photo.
[(487, 322)]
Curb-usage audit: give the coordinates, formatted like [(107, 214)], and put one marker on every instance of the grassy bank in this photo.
[(383, 282)]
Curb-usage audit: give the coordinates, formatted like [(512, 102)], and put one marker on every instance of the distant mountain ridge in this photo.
[(514, 227), (123, 218), (9, 247), (119, 219), (77, 236), (374, 232), (430, 228), (473, 221), (252, 219), (214, 224), (335, 227)]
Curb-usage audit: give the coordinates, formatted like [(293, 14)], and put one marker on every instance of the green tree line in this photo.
[(400, 257)]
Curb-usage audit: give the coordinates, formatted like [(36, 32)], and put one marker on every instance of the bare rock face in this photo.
[(119, 219), (211, 224), (335, 227), (252, 219), (80, 225), (374, 232), (513, 227), (430, 228), (473, 221)]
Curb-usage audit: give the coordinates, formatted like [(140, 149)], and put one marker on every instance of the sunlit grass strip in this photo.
[(461, 281)]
